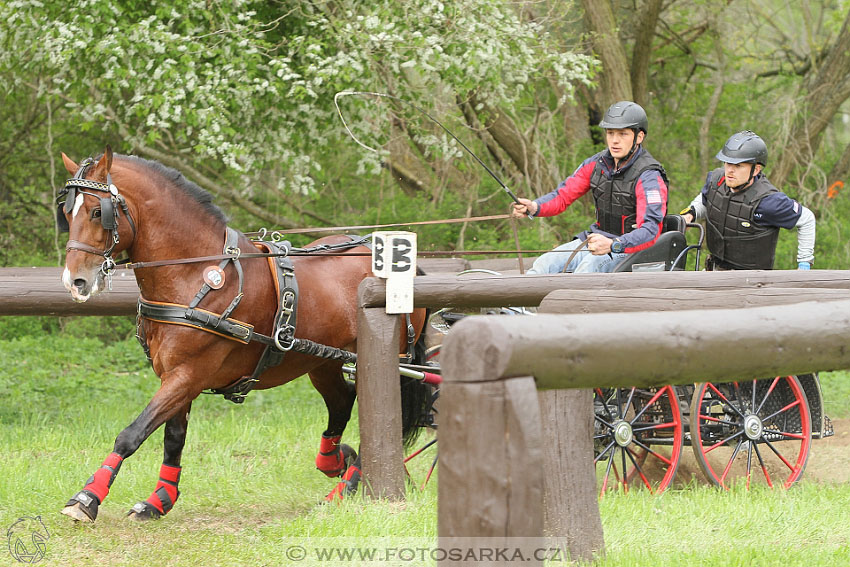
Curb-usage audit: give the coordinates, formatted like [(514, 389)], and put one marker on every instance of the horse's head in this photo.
[(89, 208)]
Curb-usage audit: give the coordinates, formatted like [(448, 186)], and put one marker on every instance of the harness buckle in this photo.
[(284, 338), (234, 251)]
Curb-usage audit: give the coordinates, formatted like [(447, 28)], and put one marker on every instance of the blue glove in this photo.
[(804, 265)]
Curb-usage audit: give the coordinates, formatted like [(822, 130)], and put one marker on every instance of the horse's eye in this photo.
[(95, 214)]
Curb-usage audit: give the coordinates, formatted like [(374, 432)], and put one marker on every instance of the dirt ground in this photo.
[(829, 460)]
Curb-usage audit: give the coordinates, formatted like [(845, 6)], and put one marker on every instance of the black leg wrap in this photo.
[(144, 511), (87, 502)]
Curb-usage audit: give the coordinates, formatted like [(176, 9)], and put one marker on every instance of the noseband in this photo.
[(109, 212)]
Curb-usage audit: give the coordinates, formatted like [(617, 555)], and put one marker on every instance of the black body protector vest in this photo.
[(616, 204), (731, 234)]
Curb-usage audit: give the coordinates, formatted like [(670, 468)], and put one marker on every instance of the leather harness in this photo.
[(282, 338)]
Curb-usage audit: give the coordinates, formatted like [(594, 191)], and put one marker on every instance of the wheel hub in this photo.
[(753, 427), (623, 433)]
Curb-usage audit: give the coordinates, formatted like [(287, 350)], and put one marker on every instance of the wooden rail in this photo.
[(39, 291)]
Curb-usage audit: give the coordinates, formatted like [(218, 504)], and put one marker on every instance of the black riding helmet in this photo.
[(744, 147), (625, 114)]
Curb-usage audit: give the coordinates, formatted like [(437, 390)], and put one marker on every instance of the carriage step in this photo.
[(828, 429)]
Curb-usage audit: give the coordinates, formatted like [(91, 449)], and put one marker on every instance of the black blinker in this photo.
[(108, 218), (70, 197), (61, 219)]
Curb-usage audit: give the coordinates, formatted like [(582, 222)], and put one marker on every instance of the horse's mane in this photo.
[(203, 197)]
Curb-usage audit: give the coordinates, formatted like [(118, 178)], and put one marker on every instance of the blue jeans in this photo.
[(582, 263)]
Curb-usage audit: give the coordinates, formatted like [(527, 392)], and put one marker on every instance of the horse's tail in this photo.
[(415, 394)]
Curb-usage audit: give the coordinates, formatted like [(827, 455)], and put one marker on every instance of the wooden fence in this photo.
[(492, 461)]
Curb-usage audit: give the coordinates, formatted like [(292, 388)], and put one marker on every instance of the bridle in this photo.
[(109, 213)]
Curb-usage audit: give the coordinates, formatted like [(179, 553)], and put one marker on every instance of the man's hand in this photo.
[(598, 244), (688, 217), (523, 208)]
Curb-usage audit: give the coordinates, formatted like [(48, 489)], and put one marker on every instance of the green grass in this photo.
[(250, 489)]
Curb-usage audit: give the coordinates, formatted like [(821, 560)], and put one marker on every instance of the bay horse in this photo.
[(118, 203)]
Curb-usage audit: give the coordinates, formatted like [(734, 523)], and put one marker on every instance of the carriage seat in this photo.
[(666, 249)]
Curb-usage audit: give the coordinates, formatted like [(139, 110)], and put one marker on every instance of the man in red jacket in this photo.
[(629, 188)]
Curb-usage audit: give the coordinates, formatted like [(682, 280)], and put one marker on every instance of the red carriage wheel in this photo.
[(759, 431), (638, 437)]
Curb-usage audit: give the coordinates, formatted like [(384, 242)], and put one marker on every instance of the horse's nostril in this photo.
[(80, 283)]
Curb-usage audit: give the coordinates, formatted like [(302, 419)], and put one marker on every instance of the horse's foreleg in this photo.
[(349, 483), (166, 403), (164, 496), (334, 457)]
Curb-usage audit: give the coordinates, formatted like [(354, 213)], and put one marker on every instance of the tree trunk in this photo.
[(826, 91), (524, 155), (616, 79), (643, 49), (719, 78)]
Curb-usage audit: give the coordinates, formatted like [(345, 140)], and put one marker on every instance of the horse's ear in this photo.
[(104, 165), (69, 164)]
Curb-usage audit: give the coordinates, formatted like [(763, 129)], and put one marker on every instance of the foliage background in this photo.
[(239, 96)]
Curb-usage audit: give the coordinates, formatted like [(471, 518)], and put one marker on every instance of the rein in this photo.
[(127, 265)]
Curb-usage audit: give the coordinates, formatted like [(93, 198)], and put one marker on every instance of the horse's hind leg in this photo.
[(334, 457), (167, 402), (166, 493)]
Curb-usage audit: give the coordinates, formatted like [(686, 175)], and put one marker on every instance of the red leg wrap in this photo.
[(165, 494), (101, 480), (349, 484), (330, 460)]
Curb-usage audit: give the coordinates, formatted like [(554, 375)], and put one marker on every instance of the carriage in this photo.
[(755, 431)]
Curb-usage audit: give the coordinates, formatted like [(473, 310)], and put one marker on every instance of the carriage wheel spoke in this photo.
[(603, 422), (648, 404), (604, 405), (639, 470), (723, 442), (718, 420), (625, 476), (763, 466), (729, 464), (791, 467), (658, 456), (753, 400), (602, 454), (793, 404), (749, 463), (773, 384), (732, 406), (655, 426)]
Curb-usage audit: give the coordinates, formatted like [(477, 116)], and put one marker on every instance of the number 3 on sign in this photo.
[(394, 258)]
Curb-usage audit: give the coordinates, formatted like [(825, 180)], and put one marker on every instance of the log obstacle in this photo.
[(491, 472), (39, 291), (473, 291)]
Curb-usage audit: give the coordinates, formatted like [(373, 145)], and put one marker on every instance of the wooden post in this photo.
[(491, 468), (379, 403), (570, 497)]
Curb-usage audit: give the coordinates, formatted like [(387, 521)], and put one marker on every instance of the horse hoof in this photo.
[(349, 455), (143, 511), (82, 507), (75, 513)]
